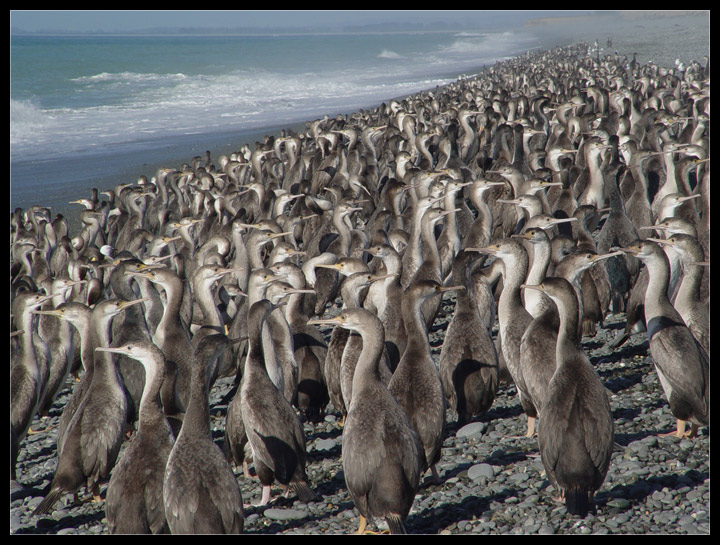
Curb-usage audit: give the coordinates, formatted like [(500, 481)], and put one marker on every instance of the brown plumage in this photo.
[(576, 434), (383, 459), (468, 364), (200, 492), (681, 363), (271, 424), (415, 384)]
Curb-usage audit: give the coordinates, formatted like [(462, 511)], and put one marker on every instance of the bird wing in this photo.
[(677, 354), (223, 490), (577, 410), (180, 494), (381, 436), (101, 432)]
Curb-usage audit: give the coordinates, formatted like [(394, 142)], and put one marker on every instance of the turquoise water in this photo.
[(94, 111), (81, 95)]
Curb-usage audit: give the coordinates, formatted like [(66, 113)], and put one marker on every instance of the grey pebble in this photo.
[(480, 470), (325, 444), (285, 514), (474, 428)]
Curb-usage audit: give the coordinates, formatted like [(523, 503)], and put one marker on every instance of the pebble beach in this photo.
[(492, 480), (492, 477)]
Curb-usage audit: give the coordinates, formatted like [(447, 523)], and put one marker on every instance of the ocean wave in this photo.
[(487, 45), (129, 77), (196, 104), (387, 54), (27, 119)]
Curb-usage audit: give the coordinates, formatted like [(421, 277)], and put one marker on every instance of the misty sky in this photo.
[(119, 21)]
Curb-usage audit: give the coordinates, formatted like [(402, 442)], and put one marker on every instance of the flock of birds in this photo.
[(543, 193)]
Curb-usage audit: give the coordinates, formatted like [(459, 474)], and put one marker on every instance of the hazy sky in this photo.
[(119, 21)]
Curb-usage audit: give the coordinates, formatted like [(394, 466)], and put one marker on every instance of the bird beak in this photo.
[(114, 350), (651, 227), (447, 212), (606, 256), (126, 304), (141, 274), (42, 300), (562, 220), (155, 262), (326, 321), (51, 312), (492, 249), (537, 287), (661, 241), (632, 250), (695, 196)]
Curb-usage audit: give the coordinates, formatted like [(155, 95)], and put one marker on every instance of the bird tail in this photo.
[(48, 501), (577, 501), (396, 524), (304, 491)]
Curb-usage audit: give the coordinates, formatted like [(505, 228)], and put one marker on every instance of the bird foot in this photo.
[(362, 529), (434, 479), (681, 432)]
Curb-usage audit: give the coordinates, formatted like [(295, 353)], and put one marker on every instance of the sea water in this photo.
[(94, 111)]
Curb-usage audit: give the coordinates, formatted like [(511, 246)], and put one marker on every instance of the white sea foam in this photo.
[(26, 120), (268, 85), (486, 47), (195, 104), (387, 54), (129, 77)]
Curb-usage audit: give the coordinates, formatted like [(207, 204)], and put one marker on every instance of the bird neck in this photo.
[(270, 366), (429, 243), (27, 322), (211, 313), (414, 321), (86, 346), (670, 185), (367, 366), (514, 272), (595, 191), (173, 302), (689, 289), (150, 404), (657, 303), (568, 337), (197, 414)]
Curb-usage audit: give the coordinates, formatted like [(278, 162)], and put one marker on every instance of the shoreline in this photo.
[(95, 171), (72, 178)]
